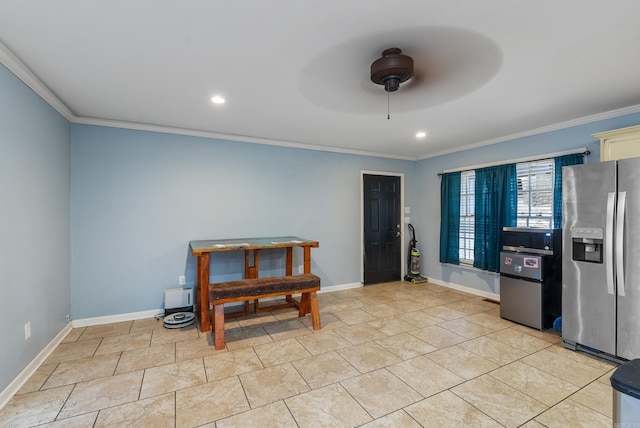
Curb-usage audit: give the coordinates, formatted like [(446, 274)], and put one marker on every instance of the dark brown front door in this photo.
[(382, 252)]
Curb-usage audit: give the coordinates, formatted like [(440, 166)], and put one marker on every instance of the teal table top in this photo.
[(211, 245)]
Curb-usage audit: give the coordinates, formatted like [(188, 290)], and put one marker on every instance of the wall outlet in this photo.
[(27, 330), (301, 269), (66, 318), (182, 280), (407, 220)]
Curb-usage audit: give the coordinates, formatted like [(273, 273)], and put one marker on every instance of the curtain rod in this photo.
[(582, 150)]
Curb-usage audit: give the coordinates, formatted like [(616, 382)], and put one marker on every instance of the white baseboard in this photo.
[(340, 287), (486, 294), (85, 322), (15, 385)]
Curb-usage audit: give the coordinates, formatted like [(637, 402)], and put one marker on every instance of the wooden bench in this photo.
[(254, 288)]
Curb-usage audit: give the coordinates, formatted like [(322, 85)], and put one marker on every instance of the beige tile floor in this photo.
[(388, 355)]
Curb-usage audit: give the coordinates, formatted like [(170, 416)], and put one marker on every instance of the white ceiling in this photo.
[(296, 72)]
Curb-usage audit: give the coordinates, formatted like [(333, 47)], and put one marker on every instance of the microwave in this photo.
[(528, 240)]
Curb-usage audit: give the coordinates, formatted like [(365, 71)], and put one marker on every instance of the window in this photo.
[(535, 194), (467, 215), (535, 202), (524, 194)]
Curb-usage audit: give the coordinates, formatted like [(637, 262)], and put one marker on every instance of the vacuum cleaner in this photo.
[(179, 320), (413, 260)]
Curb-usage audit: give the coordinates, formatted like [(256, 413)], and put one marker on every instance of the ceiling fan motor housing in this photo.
[(392, 69)]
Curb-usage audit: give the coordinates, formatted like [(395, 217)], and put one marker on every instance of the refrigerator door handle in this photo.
[(608, 245), (622, 200)]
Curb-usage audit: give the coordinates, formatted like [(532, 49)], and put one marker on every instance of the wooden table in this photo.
[(251, 246)]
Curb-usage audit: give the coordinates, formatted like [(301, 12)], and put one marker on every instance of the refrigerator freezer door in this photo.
[(629, 298), (588, 308)]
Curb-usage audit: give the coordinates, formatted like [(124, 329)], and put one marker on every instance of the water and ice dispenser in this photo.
[(587, 244)]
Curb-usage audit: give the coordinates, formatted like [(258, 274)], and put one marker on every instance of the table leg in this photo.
[(307, 259), (289, 270), (251, 272), (203, 292), (289, 261)]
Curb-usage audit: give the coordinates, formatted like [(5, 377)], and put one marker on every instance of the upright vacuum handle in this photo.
[(413, 232)]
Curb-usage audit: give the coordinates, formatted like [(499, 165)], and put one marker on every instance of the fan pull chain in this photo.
[(388, 114)]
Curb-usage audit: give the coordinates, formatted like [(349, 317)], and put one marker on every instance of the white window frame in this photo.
[(467, 217), (528, 185)]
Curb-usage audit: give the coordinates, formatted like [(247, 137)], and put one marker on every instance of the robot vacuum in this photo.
[(179, 320)]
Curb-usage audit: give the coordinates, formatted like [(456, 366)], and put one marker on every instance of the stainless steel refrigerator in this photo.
[(601, 258)]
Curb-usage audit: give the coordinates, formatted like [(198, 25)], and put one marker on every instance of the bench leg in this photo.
[(218, 326), (304, 308), (315, 311)]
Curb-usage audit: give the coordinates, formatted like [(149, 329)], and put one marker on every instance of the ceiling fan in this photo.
[(392, 69)]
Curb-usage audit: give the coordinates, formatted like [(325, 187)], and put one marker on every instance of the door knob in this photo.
[(398, 234)]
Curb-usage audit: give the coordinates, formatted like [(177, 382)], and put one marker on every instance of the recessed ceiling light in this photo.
[(218, 100), (421, 134)]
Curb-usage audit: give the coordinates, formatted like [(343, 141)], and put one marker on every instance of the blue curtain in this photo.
[(496, 207), (450, 218), (560, 161)]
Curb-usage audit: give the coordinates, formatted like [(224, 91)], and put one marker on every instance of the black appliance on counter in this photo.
[(531, 276)]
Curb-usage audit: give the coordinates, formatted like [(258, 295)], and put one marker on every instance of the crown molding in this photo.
[(555, 127), (232, 137), (22, 72)]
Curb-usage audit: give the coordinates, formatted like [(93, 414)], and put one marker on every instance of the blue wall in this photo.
[(139, 197), (428, 182), (34, 224)]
